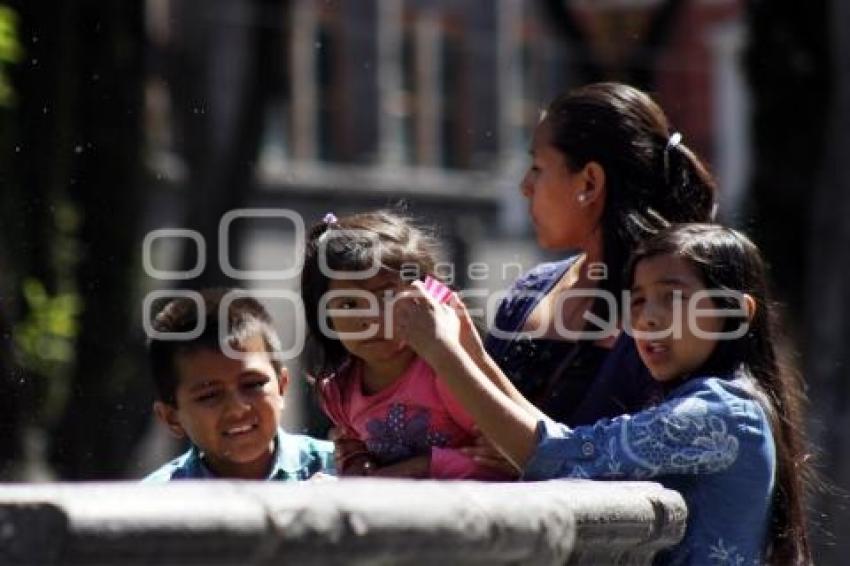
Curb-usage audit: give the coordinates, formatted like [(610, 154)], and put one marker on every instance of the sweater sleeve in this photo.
[(694, 434)]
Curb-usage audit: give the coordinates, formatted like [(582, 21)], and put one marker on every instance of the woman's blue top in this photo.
[(571, 382)]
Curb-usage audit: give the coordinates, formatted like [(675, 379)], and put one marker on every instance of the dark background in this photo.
[(118, 118)]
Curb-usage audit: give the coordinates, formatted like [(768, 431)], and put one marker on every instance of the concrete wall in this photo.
[(352, 522)]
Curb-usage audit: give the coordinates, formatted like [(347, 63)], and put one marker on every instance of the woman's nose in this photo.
[(525, 186)]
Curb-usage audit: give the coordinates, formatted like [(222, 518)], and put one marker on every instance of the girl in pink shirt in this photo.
[(384, 401)]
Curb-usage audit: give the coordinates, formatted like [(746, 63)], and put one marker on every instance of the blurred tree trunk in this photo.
[(11, 404), (39, 125), (799, 68), (228, 63), (107, 408), (788, 66), (828, 305), (34, 171)]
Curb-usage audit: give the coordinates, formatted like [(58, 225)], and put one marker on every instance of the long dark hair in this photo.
[(647, 178), (356, 243), (727, 260)]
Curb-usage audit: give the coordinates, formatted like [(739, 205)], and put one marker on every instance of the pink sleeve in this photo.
[(452, 464)]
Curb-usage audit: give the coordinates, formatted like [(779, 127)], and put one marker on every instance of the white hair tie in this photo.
[(674, 140), (672, 143)]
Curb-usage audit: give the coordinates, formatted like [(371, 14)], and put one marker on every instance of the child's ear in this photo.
[(749, 306), (283, 380), (167, 415)]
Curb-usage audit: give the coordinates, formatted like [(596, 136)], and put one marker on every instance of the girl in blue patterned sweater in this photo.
[(727, 434)]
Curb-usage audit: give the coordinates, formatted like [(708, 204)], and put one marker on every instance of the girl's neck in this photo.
[(377, 376), (668, 386)]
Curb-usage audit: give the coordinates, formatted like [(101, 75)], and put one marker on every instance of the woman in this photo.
[(606, 169)]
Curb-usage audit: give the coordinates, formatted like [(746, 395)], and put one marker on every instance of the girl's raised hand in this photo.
[(426, 325), (469, 337)]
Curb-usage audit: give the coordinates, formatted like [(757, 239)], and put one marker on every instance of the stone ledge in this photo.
[(353, 521)]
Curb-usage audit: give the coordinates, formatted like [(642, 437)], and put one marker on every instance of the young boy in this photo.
[(228, 406)]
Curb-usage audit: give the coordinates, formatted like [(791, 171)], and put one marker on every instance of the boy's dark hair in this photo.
[(246, 318), (727, 260), (348, 244)]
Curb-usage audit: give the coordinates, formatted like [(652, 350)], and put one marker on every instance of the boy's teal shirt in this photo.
[(296, 457)]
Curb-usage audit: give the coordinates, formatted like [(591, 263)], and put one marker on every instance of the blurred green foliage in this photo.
[(45, 340), (11, 52)]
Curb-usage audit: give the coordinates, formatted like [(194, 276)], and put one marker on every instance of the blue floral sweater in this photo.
[(709, 440)]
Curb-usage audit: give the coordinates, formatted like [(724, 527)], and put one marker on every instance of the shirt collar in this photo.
[(285, 462)]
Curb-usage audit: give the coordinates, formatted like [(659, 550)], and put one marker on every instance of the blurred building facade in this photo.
[(437, 99)]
